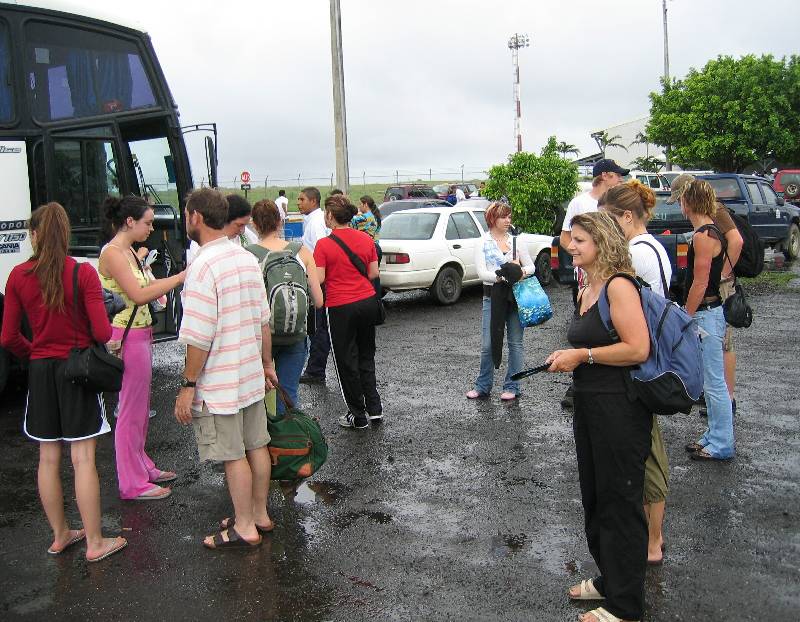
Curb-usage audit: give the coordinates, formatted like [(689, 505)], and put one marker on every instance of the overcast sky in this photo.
[(429, 84)]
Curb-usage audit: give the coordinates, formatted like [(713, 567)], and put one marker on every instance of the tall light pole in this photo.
[(667, 162), (339, 116), (516, 42)]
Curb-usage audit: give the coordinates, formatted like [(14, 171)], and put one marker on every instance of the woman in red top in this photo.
[(352, 310), (58, 410)]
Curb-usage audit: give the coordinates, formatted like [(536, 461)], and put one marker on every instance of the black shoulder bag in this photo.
[(359, 265), (93, 368)]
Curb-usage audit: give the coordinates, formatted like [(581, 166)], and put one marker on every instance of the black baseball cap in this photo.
[(608, 166)]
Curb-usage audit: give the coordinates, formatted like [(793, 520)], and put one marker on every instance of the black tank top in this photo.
[(715, 274), (588, 331)]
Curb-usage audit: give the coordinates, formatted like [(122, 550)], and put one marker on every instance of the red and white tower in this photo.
[(516, 42)]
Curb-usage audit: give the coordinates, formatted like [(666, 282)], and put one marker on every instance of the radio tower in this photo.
[(516, 42)]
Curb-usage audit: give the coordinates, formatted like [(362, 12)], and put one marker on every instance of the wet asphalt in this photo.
[(448, 510)]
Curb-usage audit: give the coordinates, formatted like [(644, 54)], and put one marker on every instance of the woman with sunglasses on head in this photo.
[(612, 433), (57, 409), (706, 257), (130, 219), (631, 204)]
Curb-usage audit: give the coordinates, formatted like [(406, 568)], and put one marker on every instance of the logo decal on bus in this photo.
[(4, 149), (10, 242)]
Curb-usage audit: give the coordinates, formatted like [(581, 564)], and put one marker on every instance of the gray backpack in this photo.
[(287, 291)]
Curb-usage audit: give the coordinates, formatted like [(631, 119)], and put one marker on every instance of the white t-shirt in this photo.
[(194, 247), (283, 206), (581, 204), (460, 196), (314, 228), (646, 264)]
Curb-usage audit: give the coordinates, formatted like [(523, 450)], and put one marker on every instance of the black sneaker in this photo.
[(566, 401), (350, 421), (309, 379)]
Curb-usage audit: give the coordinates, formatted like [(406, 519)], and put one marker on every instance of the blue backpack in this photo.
[(671, 379)]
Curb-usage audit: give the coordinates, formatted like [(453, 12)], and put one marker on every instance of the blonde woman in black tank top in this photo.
[(612, 434)]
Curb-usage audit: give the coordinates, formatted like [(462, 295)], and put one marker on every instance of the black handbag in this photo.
[(736, 310), (359, 265), (93, 368)]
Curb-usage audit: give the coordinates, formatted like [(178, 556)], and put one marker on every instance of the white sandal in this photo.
[(602, 616), (587, 591)]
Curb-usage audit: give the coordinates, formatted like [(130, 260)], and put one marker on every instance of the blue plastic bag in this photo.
[(534, 306)]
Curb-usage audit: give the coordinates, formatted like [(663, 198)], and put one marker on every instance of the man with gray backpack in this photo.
[(290, 277)]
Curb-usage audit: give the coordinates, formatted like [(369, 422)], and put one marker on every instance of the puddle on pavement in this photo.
[(318, 491), (508, 544)]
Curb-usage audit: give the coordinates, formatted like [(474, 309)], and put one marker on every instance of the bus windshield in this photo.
[(74, 73)]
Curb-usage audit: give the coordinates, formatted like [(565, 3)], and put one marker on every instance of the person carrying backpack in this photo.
[(612, 432), (290, 277)]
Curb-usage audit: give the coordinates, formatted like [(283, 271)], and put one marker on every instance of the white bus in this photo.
[(85, 112)]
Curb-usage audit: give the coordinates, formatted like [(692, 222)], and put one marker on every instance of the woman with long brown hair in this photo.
[(612, 433), (57, 410)]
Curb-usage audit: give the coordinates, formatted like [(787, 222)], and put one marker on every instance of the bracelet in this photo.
[(591, 358)]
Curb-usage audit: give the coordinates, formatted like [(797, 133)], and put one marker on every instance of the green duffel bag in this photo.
[(297, 447)]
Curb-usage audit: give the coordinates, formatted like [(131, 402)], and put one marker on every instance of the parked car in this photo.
[(787, 185), (668, 225), (394, 206), (433, 248), (409, 191), (443, 190), (776, 222), (656, 181)]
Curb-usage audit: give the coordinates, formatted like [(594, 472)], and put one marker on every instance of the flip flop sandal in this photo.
[(693, 447), (703, 455), (227, 523), (153, 497), (234, 541), (165, 476), (602, 615), (587, 591), (81, 535), (121, 544)]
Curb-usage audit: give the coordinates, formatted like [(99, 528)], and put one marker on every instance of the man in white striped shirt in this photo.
[(229, 367)]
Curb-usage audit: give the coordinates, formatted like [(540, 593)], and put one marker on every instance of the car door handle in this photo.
[(455, 246)]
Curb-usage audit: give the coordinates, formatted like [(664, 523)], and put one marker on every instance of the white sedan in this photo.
[(433, 248)]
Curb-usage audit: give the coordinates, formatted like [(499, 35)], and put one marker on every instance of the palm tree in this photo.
[(650, 164), (604, 141), (642, 138), (565, 148)]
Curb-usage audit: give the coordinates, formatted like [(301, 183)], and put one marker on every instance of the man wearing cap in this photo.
[(605, 174), (734, 242)]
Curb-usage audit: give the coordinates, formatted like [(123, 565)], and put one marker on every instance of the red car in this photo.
[(787, 185)]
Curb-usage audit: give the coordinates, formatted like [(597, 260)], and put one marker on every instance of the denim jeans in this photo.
[(514, 340), (718, 438), (289, 361)]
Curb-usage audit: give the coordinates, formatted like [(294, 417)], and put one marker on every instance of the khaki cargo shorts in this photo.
[(656, 469), (725, 290), (227, 437)]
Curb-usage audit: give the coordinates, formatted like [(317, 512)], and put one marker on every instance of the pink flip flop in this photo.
[(78, 537)]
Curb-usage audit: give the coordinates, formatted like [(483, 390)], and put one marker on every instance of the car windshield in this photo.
[(409, 226), (726, 189), (441, 188), (667, 213), (789, 178)]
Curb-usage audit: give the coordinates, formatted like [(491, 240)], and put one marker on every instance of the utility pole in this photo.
[(516, 42), (339, 116), (667, 162)]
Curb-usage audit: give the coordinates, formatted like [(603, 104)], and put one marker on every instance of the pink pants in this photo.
[(135, 469)]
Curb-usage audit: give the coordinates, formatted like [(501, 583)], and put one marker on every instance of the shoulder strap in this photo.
[(75, 308), (604, 308), (259, 251), (660, 266), (722, 240), (356, 261), (294, 247)]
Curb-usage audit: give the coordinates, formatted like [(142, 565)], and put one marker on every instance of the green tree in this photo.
[(651, 164), (536, 186), (732, 113), (604, 141), (565, 148)]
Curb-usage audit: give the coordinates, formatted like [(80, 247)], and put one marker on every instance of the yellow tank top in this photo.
[(142, 319)]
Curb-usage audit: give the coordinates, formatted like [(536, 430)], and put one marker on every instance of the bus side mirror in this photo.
[(211, 161)]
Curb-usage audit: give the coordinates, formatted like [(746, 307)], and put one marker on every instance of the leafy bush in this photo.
[(536, 186)]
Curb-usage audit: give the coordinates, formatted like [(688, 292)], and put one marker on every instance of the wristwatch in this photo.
[(591, 358), (185, 382)]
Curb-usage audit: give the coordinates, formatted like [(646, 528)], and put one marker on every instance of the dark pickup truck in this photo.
[(776, 222), (668, 226)]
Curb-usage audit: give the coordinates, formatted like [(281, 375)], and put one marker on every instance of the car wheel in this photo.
[(5, 368), (792, 190), (543, 270), (446, 289), (792, 245)]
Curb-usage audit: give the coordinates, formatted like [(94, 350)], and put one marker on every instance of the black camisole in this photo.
[(588, 331), (715, 274)]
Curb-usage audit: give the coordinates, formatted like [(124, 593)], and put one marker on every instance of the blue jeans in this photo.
[(514, 340), (289, 361), (718, 438)]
